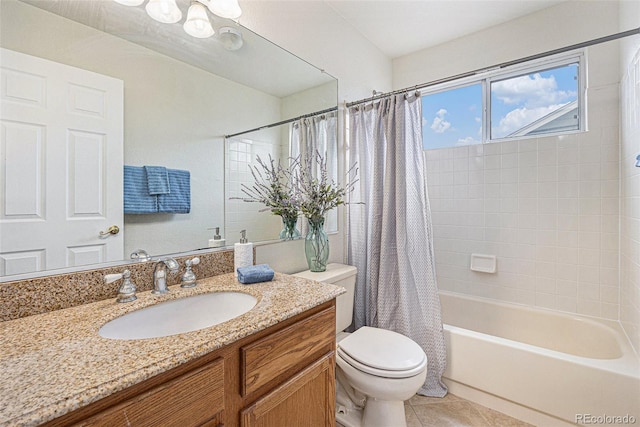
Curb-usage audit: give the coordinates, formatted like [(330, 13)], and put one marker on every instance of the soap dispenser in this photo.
[(217, 241), (242, 253)]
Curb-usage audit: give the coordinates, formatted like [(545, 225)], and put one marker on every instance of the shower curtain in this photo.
[(391, 241), (317, 133)]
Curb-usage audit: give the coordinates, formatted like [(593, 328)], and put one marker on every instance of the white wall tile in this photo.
[(568, 304), (567, 156), (528, 174), (550, 209), (527, 145)]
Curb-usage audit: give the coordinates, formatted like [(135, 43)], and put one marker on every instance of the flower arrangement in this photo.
[(317, 194), (274, 187), (303, 187)]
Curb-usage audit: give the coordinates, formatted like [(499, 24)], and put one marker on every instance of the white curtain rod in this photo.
[(611, 37)]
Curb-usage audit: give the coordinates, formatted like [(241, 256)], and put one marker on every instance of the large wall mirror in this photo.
[(174, 99)]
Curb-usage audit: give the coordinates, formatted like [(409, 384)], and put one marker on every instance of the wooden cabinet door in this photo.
[(307, 399), (193, 399)]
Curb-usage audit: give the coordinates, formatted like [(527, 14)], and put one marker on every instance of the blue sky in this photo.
[(454, 117)]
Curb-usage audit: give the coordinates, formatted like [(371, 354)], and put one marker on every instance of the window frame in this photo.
[(485, 78)]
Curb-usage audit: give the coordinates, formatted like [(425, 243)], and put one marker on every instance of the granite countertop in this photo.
[(56, 362)]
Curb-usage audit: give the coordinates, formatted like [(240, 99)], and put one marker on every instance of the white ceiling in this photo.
[(399, 27)]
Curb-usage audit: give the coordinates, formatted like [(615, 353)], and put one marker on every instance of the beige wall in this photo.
[(569, 23), (313, 31)]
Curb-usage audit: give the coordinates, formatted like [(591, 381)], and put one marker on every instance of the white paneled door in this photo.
[(61, 157)]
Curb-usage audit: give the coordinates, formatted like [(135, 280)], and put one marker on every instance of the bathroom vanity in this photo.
[(271, 366)]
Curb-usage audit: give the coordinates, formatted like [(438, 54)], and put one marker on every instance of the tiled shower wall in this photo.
[(630, 191), (548, 208)]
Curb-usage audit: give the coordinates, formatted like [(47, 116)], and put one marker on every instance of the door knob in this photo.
[(114, 229)]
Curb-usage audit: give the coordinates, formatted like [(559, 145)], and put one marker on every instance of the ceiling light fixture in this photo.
[(229, 9), (130, 2), (165, 11), (197, 23)]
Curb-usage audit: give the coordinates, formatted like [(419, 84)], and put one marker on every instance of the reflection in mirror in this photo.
[(179, 97), (242, 152), (284, 142)]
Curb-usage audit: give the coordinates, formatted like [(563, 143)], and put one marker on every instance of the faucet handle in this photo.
[(189, 277), (192, 261), (110, 278), (127, 290)]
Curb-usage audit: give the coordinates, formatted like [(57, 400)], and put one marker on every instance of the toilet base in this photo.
[(384, 413), (376, 412), (347, 413)]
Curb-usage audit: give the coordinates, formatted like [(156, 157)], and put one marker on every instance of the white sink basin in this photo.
[(179, 316)]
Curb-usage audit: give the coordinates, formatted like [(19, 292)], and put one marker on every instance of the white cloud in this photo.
[(519, 118), (469, 140), (532, 90), (439, 124)]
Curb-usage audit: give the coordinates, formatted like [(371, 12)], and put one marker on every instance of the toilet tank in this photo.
[(339, 275)]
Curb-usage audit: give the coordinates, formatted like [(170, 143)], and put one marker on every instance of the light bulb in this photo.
[(165, 11), (197, 23), (225, 8), (130, 2)]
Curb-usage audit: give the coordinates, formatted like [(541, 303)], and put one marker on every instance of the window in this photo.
[(452, 117), (543, 97)]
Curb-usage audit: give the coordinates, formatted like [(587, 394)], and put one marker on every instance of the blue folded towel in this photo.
[(136, 197), (255, 274), (157, 180), (179, 198)]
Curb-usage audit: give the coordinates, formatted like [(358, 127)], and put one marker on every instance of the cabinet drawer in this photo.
[(286, 351), (191, 399)]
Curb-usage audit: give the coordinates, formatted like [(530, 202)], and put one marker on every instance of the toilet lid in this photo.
[(384, 353)]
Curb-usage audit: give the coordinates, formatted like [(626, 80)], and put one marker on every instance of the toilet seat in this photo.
[(382, 353)]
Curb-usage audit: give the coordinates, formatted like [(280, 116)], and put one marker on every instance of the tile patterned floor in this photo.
[(453, 411)]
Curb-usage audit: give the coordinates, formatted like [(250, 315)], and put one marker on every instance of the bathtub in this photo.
[(543, 367)]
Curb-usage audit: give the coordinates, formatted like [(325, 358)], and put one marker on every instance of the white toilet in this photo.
[(377, 370)]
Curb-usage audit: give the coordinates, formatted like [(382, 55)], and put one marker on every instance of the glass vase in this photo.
[(316, 246), (289, 230)]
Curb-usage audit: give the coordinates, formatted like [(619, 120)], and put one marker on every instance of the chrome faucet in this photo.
[(160, 274)]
